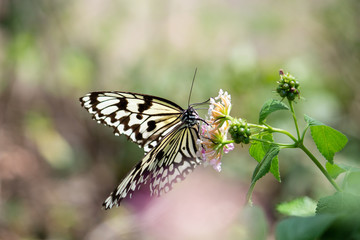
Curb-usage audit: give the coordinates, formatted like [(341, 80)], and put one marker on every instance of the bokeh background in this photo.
[(57, 166)]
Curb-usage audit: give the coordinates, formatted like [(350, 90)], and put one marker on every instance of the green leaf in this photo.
[(270, 106), (311, 121), (301, 207), (352, 182), (327, 140), (346, 208), (349, 168), (339, 203), (303, 228), (334, 170), (264, 166), (259, 149), (274, 168)]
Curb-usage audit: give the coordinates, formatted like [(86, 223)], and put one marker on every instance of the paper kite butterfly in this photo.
[(167, 133)]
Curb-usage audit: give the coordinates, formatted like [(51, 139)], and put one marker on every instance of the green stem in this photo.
[(318, 164), (294, 117), (271, 129), (278, 130), (278, 144), (303, 134)]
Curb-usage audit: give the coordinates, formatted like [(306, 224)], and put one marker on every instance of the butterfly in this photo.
[(168, 134)]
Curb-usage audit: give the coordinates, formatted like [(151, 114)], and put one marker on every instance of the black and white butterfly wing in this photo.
[(143, 118), (168, 163), (167, 133)]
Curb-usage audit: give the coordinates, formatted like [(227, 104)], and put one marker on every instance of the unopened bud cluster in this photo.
[(239, 131), (288, 86)]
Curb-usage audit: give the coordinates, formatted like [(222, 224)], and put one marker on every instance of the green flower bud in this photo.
[(239, 131), (297, 84), (288, 86), (282, 93), (291, 96), (242, 130)]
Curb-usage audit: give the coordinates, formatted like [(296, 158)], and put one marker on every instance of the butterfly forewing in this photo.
[(166, 164), (144, 119)]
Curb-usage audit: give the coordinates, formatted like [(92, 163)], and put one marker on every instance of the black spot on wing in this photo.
[(122, 104), (93, 98), (139, 116), (151, 125), (138, 136), (146, 105)]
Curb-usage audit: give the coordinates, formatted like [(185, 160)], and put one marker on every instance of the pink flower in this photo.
[(214, 141), (229, 147), (220, 110)]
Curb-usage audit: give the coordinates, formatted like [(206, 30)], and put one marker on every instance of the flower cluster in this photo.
[(214, 141), (288, 86), (220, 111)]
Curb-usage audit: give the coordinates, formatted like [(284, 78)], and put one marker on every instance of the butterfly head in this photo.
[(190, 117)]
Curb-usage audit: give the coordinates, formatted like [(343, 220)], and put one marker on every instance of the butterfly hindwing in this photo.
[(175, 159), (166, 164), (143, 118)]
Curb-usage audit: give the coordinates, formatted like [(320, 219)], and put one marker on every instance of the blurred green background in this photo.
[(57, 166)]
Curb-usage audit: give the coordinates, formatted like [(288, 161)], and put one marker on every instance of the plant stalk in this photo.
[(295, 120), (318, 164), (278, 130), (278, 144)]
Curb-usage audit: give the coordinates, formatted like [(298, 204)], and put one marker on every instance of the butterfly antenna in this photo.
[(192, 84)]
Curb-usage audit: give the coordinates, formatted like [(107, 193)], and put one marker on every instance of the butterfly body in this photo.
[(167, 133), (190, 117)]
